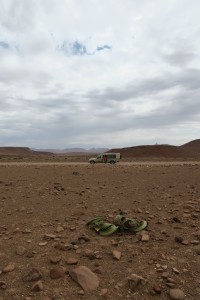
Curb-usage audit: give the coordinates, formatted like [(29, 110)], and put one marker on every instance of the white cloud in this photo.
[(92, 72)]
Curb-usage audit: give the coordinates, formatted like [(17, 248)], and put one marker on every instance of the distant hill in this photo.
[(158, 151), (189, 150), (21, 151), (192, 146)]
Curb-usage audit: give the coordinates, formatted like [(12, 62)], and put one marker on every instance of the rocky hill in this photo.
[(161, 151), (190, 150), (21, 151), (192, 146)]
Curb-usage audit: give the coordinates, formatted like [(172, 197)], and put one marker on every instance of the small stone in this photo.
[(72, 228), (85, 278), (178, 239), (171, 285), (83, 238), (20, 250), (37, 287), (175, 270), (176, 294), (49, 237), (145, 237), (42, 244), (64, 247), (32, 275), (169, 279), (157, 288), (59, 229), (57, 273), (103, 292), (16, 230), (116, 254), (185, 242), (195, 242), (81, 292), (165, 275), (55, 260), (135, 280), (72, 261), (164, 267), (3, 285), (9, 268)]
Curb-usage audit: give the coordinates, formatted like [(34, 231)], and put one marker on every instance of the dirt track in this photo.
[(129, 163), (41, 199)]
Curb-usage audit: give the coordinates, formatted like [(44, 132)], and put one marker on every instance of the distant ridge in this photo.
[(192, 146), (189, 150), (161, 151), (21, 151)]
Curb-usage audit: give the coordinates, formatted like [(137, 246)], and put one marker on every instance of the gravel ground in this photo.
[(43, 214)]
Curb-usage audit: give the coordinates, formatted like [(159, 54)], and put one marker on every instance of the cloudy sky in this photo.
[(99, 73)]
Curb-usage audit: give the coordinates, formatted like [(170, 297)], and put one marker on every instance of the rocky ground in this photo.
[(47, 252)]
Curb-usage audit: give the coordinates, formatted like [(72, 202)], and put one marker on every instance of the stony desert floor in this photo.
[(43, 234)]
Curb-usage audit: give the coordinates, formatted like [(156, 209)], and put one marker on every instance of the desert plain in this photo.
[(44, 209)]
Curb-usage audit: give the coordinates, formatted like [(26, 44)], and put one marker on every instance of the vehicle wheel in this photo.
[(112, 162), (92, 162)]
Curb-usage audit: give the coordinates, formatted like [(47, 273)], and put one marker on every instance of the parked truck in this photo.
[(111, 158)]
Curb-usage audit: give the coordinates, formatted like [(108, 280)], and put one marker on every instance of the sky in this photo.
[(99, 73)]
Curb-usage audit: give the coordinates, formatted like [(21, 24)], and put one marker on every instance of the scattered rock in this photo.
[(85, 278), (49, 237), (176, 294), (9, 268), (178, 239), (145, 237), (72, 261), (195, 242), (83, 238), (37, 287), (103, 292), (64, 247), (165, 275), (185, 242), (57, 273), (157, 288), (135, 280), (42, 244), (116, 254), (59, 229), (175, 270), (176, 220), (55, 260), (20, 250), (32, 275), (3, 285)]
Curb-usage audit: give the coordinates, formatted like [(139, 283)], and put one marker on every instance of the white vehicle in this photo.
[(111, 158)]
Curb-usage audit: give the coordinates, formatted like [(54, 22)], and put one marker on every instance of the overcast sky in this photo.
[(99, 73)]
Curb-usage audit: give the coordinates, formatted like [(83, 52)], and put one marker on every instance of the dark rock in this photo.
[(33, 275), (57, 273)]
